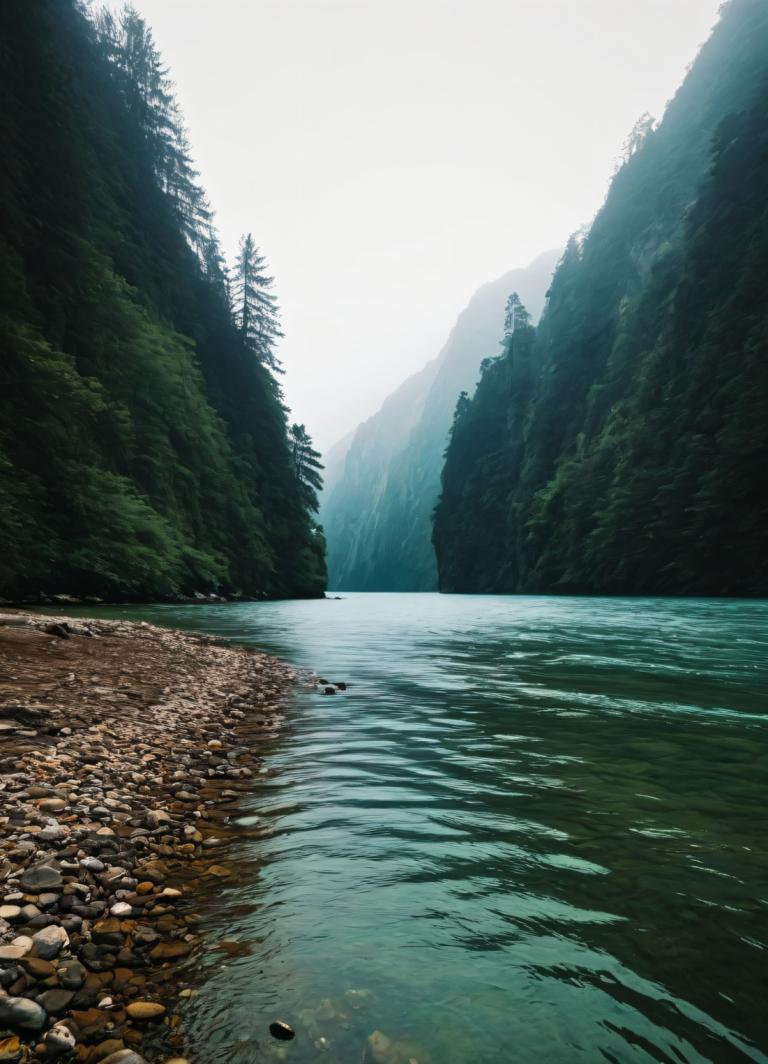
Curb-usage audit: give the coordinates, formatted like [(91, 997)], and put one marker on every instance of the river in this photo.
[(532, 830)]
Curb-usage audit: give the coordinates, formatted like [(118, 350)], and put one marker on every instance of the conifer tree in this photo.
[(254, 304), (306, 465), (515, 316)]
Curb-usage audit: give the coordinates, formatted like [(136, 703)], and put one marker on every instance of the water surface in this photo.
[(534, 829)]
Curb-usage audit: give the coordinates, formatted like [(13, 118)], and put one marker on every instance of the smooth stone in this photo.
[(72, 975), (39, 878), (145, 1010), (21, 1012), (10, 912), (52, 805), (59, 1040), (14, 951), (50, 941), (124, 1056), (56, 1001)]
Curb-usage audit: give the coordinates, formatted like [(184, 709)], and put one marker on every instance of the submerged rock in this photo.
[(282, 1031)]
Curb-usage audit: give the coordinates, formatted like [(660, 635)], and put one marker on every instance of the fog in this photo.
[(392, 155)]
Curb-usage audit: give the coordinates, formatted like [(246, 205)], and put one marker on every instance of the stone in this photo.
[(56, 1001), (124, 1056), (13, 952), (121, 908), (282, 1031), (59, 1040), (10, 1050), (169, 951), (52, 805), (49, 942), (10, 912), (72, 975), (40, 877), (23, 1013), (106, 1048), (145, 1010), (37, 967)]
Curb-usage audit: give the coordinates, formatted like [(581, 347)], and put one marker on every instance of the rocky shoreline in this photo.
[(124, 749)]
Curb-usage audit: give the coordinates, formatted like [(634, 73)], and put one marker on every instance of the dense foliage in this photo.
[(622, 446), (143, 441), (377, 512)]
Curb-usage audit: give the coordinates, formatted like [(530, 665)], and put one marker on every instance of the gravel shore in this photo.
[(123, 750)]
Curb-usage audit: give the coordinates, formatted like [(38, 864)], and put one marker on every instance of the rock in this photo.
[(60, 630), (52, 805), (282, 1031), (59, 1040), (37, 967), (49, 942), (40, 877), (71, 975), (13, 952), (10, 912), (106, 1048), (121, 908), (10, 1050), (23, 1013), (124, 1056), (145, 1010), (170, 951), (56, 1001)]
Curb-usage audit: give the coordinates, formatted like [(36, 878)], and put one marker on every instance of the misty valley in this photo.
[(439, 735)]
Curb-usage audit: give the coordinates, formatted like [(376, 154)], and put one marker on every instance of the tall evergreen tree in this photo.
[(306, 465), (255, 305)]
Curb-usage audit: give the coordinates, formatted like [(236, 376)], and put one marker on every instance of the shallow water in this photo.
[(534, 829)]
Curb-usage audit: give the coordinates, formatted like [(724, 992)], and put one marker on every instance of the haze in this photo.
[(390, 156)]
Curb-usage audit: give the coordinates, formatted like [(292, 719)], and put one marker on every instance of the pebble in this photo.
[(89, 846), (282, 1031), (59, 1040), (49, 942), (23, 1013), (145, 1010)]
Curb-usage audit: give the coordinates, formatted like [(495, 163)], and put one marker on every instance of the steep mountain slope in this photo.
[(377, 516), (143, 446), (622, 448)]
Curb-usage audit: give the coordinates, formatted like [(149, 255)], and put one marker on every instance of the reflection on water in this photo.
[(532, 830)]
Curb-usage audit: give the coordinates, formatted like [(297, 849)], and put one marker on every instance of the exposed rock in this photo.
[(23, 1013), (40, 877), (49, 942), (145, 1010)]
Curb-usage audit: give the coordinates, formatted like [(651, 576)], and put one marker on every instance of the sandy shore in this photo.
[(123, 749)]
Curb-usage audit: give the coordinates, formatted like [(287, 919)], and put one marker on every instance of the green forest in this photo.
[(145, 451), (621, 447)]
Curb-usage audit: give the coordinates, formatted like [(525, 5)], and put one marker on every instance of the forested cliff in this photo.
[(621, 447), (144, 449), (377, 512)]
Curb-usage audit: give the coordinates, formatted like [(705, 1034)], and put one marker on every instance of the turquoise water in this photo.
[(534, 829)]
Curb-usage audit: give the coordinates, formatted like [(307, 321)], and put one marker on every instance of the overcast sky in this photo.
[(390, 156)]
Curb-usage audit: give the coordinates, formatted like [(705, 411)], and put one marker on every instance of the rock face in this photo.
[(92, 914), (377, 505)]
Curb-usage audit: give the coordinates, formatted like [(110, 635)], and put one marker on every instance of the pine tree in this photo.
[(306, 465), (515, 316), (254, 305)]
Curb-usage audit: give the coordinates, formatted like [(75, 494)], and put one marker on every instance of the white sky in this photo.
[(390, 156)]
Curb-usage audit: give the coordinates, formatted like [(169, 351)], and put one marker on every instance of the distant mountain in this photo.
[(621, 447), (377, 507)]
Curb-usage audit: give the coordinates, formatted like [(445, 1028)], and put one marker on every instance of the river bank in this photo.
[(124, 749)]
